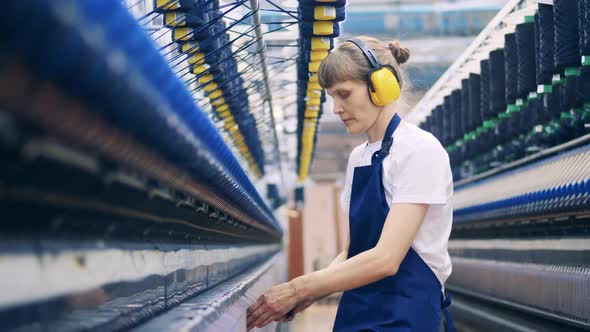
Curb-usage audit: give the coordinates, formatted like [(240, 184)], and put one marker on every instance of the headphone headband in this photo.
[(371, 56), (367, 52)]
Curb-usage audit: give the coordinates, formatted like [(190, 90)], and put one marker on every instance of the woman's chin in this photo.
[(352, 130)]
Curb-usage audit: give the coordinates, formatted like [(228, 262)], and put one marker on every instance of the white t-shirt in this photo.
[(417, 170)]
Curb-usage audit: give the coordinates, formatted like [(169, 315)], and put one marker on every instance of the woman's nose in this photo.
[(337, 108)]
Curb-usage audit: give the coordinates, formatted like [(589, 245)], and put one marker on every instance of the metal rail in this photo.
[(255, 5)]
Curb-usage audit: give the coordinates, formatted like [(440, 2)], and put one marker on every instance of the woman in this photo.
[(398, 190)]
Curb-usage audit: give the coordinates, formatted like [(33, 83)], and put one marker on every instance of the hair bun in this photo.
[(401, 54)]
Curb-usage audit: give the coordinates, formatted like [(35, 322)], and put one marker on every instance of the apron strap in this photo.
[(387, 140), (445, 304)]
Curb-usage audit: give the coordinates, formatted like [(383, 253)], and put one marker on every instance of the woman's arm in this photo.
[(341, 257), (305, 304), (400, 229)]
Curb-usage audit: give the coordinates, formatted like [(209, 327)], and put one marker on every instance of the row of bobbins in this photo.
[(318, 26), (201, 34)]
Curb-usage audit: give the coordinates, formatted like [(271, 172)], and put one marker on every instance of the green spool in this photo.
[(572, 71), (544, 88), (512, 108)]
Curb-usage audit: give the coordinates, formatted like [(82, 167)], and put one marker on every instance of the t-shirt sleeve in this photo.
[(423, 175)]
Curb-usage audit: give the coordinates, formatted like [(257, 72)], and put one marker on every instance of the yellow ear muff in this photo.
[(383, 86), (382, 81)]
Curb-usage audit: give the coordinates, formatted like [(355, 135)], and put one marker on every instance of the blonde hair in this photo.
[(347, 62)]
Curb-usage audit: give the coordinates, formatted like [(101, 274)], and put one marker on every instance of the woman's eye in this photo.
[(344, 95)]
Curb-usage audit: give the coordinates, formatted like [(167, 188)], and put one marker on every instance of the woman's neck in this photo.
[(377, 130)]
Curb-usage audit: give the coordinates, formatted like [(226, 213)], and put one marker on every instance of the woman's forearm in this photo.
[(340, 258), (362, 269)]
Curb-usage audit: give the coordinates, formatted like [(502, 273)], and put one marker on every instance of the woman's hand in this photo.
[(273, 305), (298, 308)]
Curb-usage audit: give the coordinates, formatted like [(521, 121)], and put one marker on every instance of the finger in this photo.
[(269, 320), (262, 319), (250, 326), (252, 318), (260, 303), (256, 311), (256, 304), (257, 316)]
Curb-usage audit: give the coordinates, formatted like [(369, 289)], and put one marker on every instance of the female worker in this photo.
[(397, 192)]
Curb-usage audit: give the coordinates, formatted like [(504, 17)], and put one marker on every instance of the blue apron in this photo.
[(410, 300)]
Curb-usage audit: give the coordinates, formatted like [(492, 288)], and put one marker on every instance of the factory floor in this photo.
[(319, 317)]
